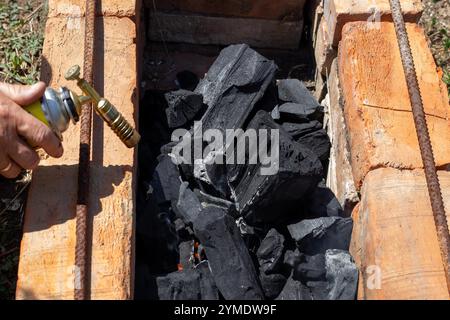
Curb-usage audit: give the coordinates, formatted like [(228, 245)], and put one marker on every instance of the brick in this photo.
[(46, 266), (338, 12), (377, 108), (76, 8), (340, 177), (394, 236), (286, 10), (323, 51)]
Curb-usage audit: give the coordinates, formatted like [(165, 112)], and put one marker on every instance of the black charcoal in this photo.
[(186, 249), (259, 196), (270, 252), (233, 85), (208, 287), (188, 206), (323, 203), (318, 142), (310, 268), (272, 284), (166, 180), (295, 290), (229, 260), (293, 90), (296, 112), (209, 200), (315, 236), (298, 130), (183, 106), (342, 275), (180, 285)]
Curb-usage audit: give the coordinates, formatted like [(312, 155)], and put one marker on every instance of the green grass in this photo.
[(21, 40)]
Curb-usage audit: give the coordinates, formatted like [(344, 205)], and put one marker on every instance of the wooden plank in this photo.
[(394, 240), (286, 10), (46, 267), (224, 31)]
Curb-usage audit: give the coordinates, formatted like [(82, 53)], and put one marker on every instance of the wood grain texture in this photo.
[(46, 267), (377, 107), (394, 236), (197, 29), (287, 10)]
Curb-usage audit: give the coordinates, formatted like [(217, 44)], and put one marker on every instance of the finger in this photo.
[(11, 170), (37, 134), (21, 153), (23, 95)]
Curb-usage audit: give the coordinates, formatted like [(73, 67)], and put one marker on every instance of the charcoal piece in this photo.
[(209, 200), (187, 80), (208, 287), (167, 148), (275, 114), (166, 180), (244, 227), (292, 90), (187, 207), (272, 284), (298, 130), (323, 203), (295, 290), (310, 268), (180, 285), (186, 249), (315, 236), (236, 81), (233, 85), (319, 290), (341, 274), (270, 252), (229, 260), (183, 105), (292, 258), (296, 112), (318, 142), (258, 195)]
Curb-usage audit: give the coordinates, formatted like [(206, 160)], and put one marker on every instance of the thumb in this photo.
[(23, 95)]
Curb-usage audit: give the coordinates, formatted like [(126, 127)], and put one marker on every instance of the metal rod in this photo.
[(434, 189), (83, 168)]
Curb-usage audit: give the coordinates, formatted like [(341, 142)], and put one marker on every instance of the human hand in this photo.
[(19, 130)]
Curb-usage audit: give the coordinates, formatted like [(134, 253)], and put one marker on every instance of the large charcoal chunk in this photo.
[(183, 107), (229, 259), (166, 180), (315, 236), (234, 83), (318, 142), (187, 207), (292, 90), (295, 290), (209, 200), (298, 130), (310, 268), (323, 203), (259, 197), (270, 252), (272, 284), (342, 275), (189, 284), (296, 112), (180, 285)]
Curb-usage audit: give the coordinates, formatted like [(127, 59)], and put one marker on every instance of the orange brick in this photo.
[(338, 12), (377, 108), (394, 237)]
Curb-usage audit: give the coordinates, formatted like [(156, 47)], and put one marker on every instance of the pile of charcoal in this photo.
[(225, 231)]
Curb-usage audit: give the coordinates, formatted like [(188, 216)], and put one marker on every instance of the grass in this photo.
[(21, 40)]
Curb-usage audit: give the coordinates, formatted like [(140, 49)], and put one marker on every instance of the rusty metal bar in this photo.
[(434, 189), (81, 286)]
